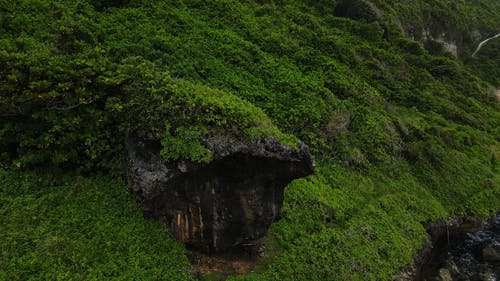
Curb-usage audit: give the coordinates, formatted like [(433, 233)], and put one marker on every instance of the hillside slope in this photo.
[(403, 135)]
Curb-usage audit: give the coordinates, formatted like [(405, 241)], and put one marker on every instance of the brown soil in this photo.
[(235, 262)]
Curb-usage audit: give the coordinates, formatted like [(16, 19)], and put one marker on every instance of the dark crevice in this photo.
[(461, 251), (225, 204)]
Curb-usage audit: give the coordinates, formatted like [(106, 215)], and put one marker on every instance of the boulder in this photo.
[(215, 206), (491, 254), (444, 275)]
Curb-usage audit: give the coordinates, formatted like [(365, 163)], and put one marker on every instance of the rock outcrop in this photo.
[(226, 203), (459, 249)]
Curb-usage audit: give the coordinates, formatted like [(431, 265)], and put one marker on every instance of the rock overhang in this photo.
[(219, 205)]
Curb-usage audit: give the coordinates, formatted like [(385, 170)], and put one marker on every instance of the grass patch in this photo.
[(81, 229)]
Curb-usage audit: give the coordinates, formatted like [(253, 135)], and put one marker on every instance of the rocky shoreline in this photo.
[(458, 249)]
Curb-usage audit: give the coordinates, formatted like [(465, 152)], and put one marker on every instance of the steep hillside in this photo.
[(402, 134)]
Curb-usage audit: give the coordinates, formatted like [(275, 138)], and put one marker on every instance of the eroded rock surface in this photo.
[(227, 203), (462, 249)]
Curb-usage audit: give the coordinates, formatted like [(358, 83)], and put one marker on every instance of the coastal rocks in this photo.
[(491, 254), (444, 275), (227, 203), (462, 250)]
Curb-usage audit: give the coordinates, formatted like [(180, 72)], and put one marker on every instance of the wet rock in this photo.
[(453, 268), (444, 275), (471, 225), (226, 203), (486, 274), (491, 254), (467, 249), (407, 275)]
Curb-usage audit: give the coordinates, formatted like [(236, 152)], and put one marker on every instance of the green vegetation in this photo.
[(75, 228), (486, 63), (402, 136)]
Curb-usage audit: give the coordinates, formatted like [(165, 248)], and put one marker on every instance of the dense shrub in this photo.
[(357, 10), (402, 136), (80, 229)]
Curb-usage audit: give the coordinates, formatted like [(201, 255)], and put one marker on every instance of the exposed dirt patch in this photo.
[(237, 261)]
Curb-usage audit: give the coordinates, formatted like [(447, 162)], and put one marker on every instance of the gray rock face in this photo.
[(227, 203)]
